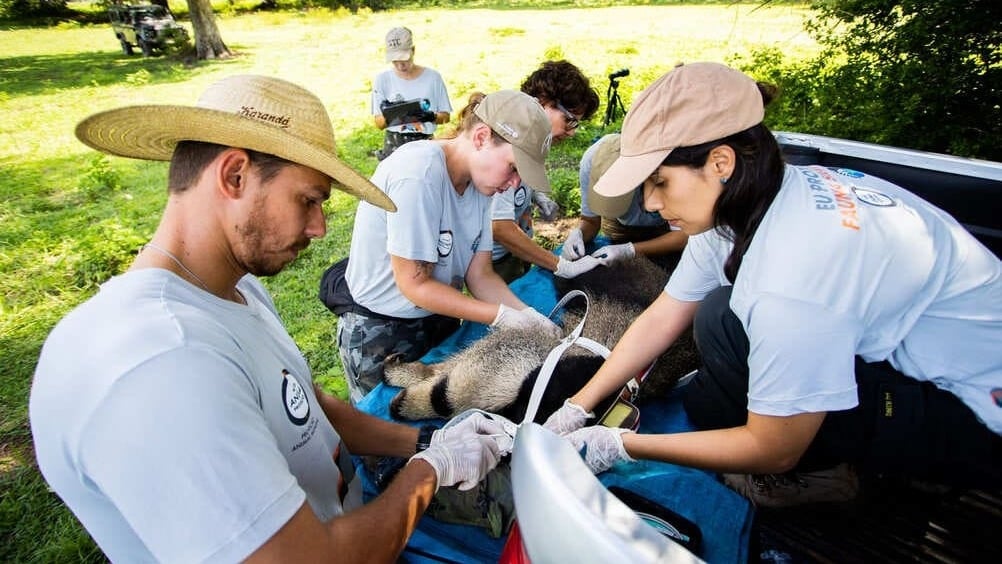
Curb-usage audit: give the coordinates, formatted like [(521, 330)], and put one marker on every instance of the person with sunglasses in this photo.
[(408, 270), (567, 97)]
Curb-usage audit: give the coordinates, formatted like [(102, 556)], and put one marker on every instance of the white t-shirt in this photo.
[(427, 85), (512, 205), (432, 224), (181, 427), (847, 264)]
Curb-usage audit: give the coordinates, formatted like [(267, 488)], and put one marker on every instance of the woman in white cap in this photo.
[(631, 228), (840, 318), (407, 81), (407, 270)]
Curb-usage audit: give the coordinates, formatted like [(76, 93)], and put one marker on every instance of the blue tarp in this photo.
[(723, 516)]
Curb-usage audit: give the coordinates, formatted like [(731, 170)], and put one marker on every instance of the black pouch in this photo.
[(334, 288)]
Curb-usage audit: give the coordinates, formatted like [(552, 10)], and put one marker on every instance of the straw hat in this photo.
[(260, 113), (520, 120), (692, 104)]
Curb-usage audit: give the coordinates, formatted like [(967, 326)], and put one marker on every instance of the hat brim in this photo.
[(399, 55), (152, 131), (531, 171), (628, 172), (613, 207)]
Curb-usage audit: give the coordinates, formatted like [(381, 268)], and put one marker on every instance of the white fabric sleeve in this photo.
[(181, 448), (802, 356), (440, 95), (701, 268), (412, 232), (503, 205)]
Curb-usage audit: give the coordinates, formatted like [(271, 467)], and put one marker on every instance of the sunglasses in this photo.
[(571, 121)]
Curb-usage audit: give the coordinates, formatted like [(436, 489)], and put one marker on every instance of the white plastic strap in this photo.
[(572, 338)]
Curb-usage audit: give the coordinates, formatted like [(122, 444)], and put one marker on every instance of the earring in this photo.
[(723, 180)]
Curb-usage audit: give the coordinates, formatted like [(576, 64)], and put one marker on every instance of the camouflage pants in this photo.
[(364, 343)]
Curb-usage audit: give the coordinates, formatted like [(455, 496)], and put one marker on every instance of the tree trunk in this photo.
[(208, 43)]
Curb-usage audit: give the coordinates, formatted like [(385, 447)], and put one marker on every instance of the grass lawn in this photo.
[(70, 218)]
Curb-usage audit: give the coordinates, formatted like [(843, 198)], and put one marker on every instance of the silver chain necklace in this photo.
[(178, 262)]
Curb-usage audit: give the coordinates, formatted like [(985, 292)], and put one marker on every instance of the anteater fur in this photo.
[(496, 373)]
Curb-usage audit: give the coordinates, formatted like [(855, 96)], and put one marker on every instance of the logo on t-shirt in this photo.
[(444, 243), (997, 396), (297, 404), (872, 197), (849, 172), (520, 196)]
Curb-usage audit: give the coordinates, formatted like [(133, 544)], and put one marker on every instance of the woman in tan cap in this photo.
[(844, 323), (172, 412), (407, 271)]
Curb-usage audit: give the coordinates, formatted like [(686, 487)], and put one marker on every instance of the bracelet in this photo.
[(424, 437)]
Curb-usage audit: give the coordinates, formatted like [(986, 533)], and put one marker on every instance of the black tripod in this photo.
[(614, 105)]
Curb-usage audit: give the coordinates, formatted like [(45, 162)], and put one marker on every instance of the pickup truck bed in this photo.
[(895, 521)]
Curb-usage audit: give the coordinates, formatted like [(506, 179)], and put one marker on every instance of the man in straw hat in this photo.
[(631, 228), (172, 412)]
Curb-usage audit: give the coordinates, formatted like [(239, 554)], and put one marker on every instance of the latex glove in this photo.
[(570, 417), (528, 317), (571, 268), (574, 246), (468, 428), (612, 253), (462, 460), (548, 209), (600, 446)]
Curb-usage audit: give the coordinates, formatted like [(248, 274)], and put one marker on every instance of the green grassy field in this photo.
[(70, 218)]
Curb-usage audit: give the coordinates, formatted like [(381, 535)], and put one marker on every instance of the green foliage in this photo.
[(102, 251), (924, 75), (33, 8), (100, 178)]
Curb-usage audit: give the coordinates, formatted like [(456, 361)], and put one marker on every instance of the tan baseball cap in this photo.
[(520, 120), (399, 44), (605, 154), (261, 113), (692, 104)]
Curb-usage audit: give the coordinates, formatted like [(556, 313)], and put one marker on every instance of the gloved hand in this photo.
[(528, 317), (571, 268), (600, 446), (570, 417), (468, 428), (574, 246), (427, 117), (463, 460), (548, 209), (611, 253)]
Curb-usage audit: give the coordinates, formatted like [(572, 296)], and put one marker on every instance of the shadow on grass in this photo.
[(42, 74)]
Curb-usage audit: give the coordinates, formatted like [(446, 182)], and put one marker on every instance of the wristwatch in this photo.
[(424, 437)]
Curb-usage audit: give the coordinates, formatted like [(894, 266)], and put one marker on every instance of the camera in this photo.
[(619, 74)]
